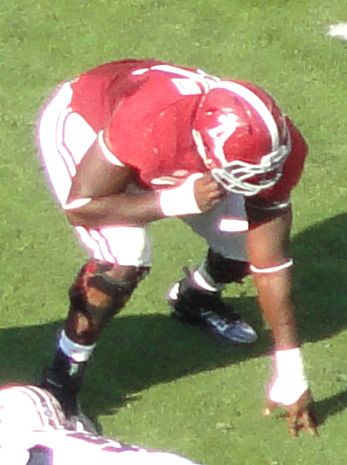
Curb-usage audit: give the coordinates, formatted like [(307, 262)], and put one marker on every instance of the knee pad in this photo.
[(225, 270), (98, 296)]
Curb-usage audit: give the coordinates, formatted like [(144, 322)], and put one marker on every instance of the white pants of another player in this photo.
[(60, 447), (64, 137)]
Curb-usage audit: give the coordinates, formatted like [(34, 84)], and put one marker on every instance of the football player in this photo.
[(136, 141), (35, 431)]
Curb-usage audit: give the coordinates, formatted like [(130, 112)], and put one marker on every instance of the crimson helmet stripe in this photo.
[(258, 105)]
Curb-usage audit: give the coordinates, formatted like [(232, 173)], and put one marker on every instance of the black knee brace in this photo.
[(98, 296), (225, 270)]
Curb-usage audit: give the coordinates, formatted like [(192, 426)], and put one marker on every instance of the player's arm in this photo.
[(267, 250), (271, 268), (97, 196), (100, 195)]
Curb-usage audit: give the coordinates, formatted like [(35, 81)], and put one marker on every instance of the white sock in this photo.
[(205, 281), (78, 352)]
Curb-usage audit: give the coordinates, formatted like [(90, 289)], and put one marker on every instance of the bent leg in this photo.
[(197, 297), (119, 255), (99, 292)]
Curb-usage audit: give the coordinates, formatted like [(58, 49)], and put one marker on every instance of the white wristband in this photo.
[(180, 201), (290, 381)]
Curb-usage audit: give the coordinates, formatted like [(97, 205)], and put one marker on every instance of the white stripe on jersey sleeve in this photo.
[(111, 157)]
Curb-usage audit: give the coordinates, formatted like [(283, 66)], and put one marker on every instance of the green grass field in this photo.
[(152, 380)]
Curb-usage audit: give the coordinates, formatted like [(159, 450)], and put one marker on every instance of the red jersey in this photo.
[(147, 117), (147, 109)]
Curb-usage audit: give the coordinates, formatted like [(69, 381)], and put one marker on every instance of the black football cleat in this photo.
[(196, 306), (64, 381)]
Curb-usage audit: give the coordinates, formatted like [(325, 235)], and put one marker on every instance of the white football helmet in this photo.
[(242, 137), (29, 408)]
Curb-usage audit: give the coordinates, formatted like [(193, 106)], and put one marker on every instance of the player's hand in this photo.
[(207, 192), (300, 415)]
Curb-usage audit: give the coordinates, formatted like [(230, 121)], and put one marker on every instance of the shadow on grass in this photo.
[(330, 406), (134, 353), (139, 351), (320, 272)]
